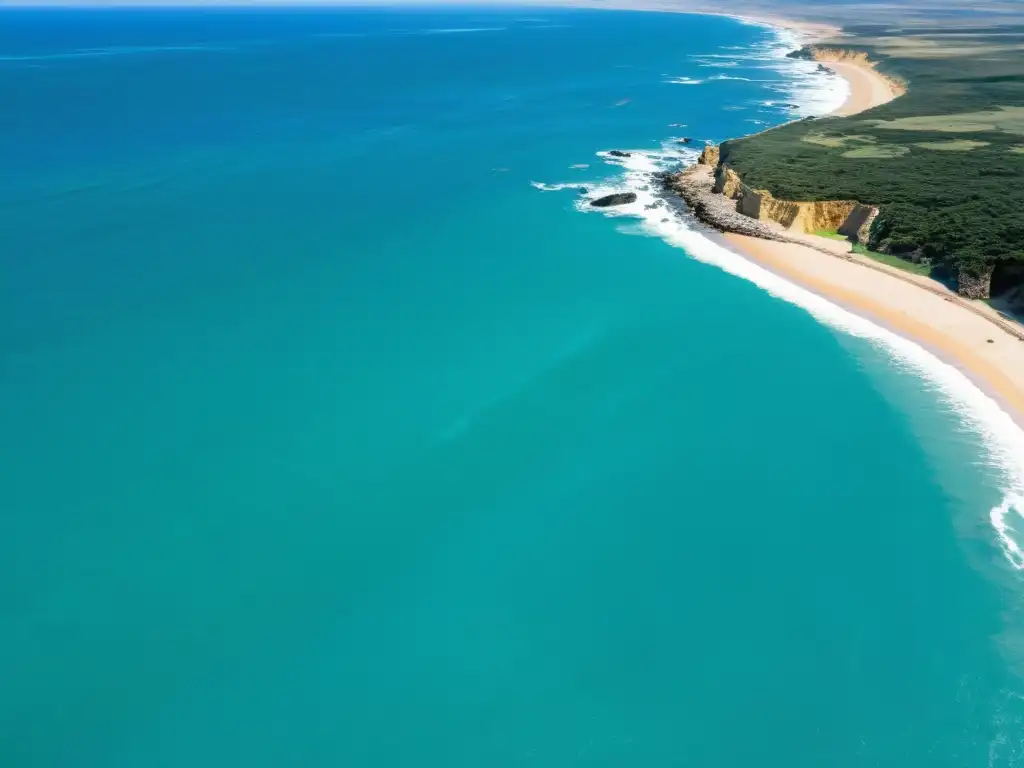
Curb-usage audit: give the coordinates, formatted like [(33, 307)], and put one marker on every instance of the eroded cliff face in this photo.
[(727, 182), (710, 156), (795, 216), (858, 223)]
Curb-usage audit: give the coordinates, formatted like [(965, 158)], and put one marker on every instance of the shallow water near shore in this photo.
[(333, 438)]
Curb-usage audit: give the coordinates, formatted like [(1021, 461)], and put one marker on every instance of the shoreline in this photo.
[(974, 342), (952, 333), (868, 88)]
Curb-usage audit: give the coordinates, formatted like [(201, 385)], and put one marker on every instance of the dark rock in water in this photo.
[(584, 191), (619, 198), (619, 153), (664, 221), (825, 70), (685, 140), (801, 53)]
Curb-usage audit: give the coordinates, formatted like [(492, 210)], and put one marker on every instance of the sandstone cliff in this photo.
[(848, 216), (710, 156), (857, 225)]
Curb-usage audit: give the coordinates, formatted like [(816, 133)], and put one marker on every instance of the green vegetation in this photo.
[(893, 261), (952, 200), (831, 234)]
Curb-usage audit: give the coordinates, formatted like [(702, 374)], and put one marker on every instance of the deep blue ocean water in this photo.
[(328, 439)]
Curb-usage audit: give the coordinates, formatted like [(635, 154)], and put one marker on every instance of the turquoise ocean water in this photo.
[(333, 434)]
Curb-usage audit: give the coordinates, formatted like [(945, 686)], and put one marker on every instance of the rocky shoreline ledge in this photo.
[(696, 185)]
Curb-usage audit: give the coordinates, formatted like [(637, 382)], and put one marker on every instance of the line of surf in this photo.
[(1002, 438)]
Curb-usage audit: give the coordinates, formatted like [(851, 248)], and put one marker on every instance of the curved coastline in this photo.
[(937, 338), (945, 324), (971, 348)]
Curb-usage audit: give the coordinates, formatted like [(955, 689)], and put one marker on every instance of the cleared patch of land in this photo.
[(1005, 119), (955, 145), (833, 141), (877, 152)]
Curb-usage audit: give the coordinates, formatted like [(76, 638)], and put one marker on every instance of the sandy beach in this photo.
[(867, 87), (969, 335), (989, 355)]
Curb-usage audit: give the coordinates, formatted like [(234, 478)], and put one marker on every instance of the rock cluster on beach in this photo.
[(695, 186)]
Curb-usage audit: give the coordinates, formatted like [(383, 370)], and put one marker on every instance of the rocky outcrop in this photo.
[(619, 153), (759, 204), (619, 198), (857, 225), (710, 155), (727, 182), (696, 185), (974, 283)]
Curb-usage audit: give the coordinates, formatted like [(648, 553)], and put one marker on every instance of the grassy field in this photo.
[(831, 234), (894, 261), (944, 162)]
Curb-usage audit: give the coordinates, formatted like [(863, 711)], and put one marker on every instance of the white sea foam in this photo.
[(460, 30), (737, 77), (815, 93), (684, 81), (554, 187)]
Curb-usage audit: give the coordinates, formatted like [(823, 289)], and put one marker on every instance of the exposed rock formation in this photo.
[(728, 182), (972, 285), (857, 225), (619, 153), (794, 216), (695, 187), (710, 156), (619, 198)]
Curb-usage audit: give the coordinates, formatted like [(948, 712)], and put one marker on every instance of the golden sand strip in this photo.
[(991, 356), (867, 87)]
